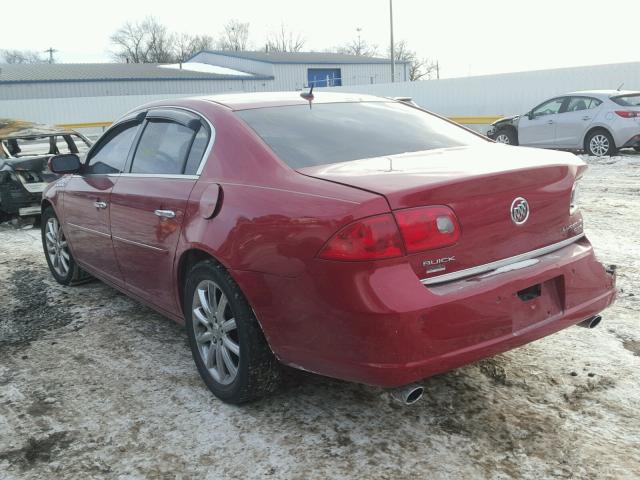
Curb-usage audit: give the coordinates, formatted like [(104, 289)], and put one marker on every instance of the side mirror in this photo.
[(66, 163), (530, 115)]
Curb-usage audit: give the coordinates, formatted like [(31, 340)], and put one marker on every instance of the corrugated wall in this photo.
[(88, 102), (505, 94)]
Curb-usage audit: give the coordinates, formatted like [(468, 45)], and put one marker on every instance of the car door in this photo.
[(573, 122), (538, 127), (149, 200), (87, 197)]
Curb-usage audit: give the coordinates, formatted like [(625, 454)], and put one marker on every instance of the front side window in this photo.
[(304, 136), (577, 104), (548, 108), (110, 154), (163, 148)]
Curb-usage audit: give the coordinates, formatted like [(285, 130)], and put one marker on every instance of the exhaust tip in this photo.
[(414, 395), (591, 322), (408, 395)]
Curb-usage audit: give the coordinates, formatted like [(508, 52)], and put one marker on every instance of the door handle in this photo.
[(100, 205), (165, 213), (550, 122), (586, 118)]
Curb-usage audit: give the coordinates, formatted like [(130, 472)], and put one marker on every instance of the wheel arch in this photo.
[(510, 127), (596, 128), (195, 255)]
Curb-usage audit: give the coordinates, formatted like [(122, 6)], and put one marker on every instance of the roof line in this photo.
[(138, 79), (230, 53)]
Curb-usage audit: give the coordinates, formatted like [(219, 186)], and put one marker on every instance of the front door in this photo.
[(87, 199), (148, 203), (538, 128)]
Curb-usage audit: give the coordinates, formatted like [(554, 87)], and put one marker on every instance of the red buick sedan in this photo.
[(352, 236)]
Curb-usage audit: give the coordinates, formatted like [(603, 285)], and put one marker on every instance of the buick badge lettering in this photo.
[(519, 211)]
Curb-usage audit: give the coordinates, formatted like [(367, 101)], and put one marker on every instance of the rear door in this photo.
[(148, 202), (538, 129), (573, 122), (87, 200)]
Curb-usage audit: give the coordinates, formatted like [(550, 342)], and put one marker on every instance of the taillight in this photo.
[(627, 114), (371, 238), (426, 228)]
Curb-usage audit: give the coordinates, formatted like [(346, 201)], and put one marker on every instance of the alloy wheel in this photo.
[(599, 145), (57, 249), (216, 333), (503, 138)]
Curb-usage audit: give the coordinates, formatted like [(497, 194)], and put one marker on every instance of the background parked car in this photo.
[(598, 121), (25, 149)]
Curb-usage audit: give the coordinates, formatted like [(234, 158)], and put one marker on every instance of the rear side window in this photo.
[(110, 155), (197, 151), (627, 100), (304, 136), (163, 148), (577, 104)]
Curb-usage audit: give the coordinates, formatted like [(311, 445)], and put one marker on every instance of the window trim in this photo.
[(203, 160), (98, 145)]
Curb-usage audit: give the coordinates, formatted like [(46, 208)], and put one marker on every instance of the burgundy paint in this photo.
[(371, 322)]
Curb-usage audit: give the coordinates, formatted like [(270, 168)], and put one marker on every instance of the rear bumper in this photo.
[(381, 326)]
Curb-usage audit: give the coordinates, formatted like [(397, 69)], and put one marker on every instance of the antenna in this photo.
[(50, 51), (308, 95), (621, 85)]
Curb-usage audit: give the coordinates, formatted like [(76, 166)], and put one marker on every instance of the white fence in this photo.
[(505, 94)]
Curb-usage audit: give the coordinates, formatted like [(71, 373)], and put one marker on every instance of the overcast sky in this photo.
[(468, 37)]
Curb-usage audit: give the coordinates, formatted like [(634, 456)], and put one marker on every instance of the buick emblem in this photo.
[(519, 211)]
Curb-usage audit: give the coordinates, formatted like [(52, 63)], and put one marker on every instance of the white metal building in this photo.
[(298, 70), (80, 94)]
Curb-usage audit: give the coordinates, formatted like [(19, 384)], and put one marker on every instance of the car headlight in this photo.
[(573, 204)]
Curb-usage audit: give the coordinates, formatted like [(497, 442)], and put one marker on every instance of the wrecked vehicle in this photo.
[(352, 236), (25, 149)]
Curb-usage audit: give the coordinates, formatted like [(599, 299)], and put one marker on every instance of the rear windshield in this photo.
[(324, 133), (628, 100)]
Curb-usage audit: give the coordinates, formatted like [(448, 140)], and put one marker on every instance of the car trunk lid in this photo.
[(480, 184)]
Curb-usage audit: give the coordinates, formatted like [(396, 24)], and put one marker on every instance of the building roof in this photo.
[(94, 72), (299, 57)]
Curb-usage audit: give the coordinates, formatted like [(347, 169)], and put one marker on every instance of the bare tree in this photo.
[(235, 36), (419, 68), (131, 43), (285, 41), (358, 47), (21, 56), (186, 46), (161, 42)]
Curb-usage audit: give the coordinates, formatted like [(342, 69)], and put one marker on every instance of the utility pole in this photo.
[(393, 53), (50, 51)]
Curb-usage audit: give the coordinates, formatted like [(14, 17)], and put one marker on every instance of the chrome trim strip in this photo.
[(138, 244), (468, 272), (89, 230), (175, 176)]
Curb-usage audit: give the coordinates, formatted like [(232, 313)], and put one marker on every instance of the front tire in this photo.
[(227, 343), (506, 136), (56, 250), (600, 144)]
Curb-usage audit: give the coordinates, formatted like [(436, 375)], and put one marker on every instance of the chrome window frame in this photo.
[(130, 116)]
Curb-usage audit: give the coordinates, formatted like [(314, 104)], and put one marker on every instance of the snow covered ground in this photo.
[(94, 385)]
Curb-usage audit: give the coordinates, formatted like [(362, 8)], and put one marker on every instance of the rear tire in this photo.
[(506, 136), (599, 143), (61, 263), (227, 343)]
